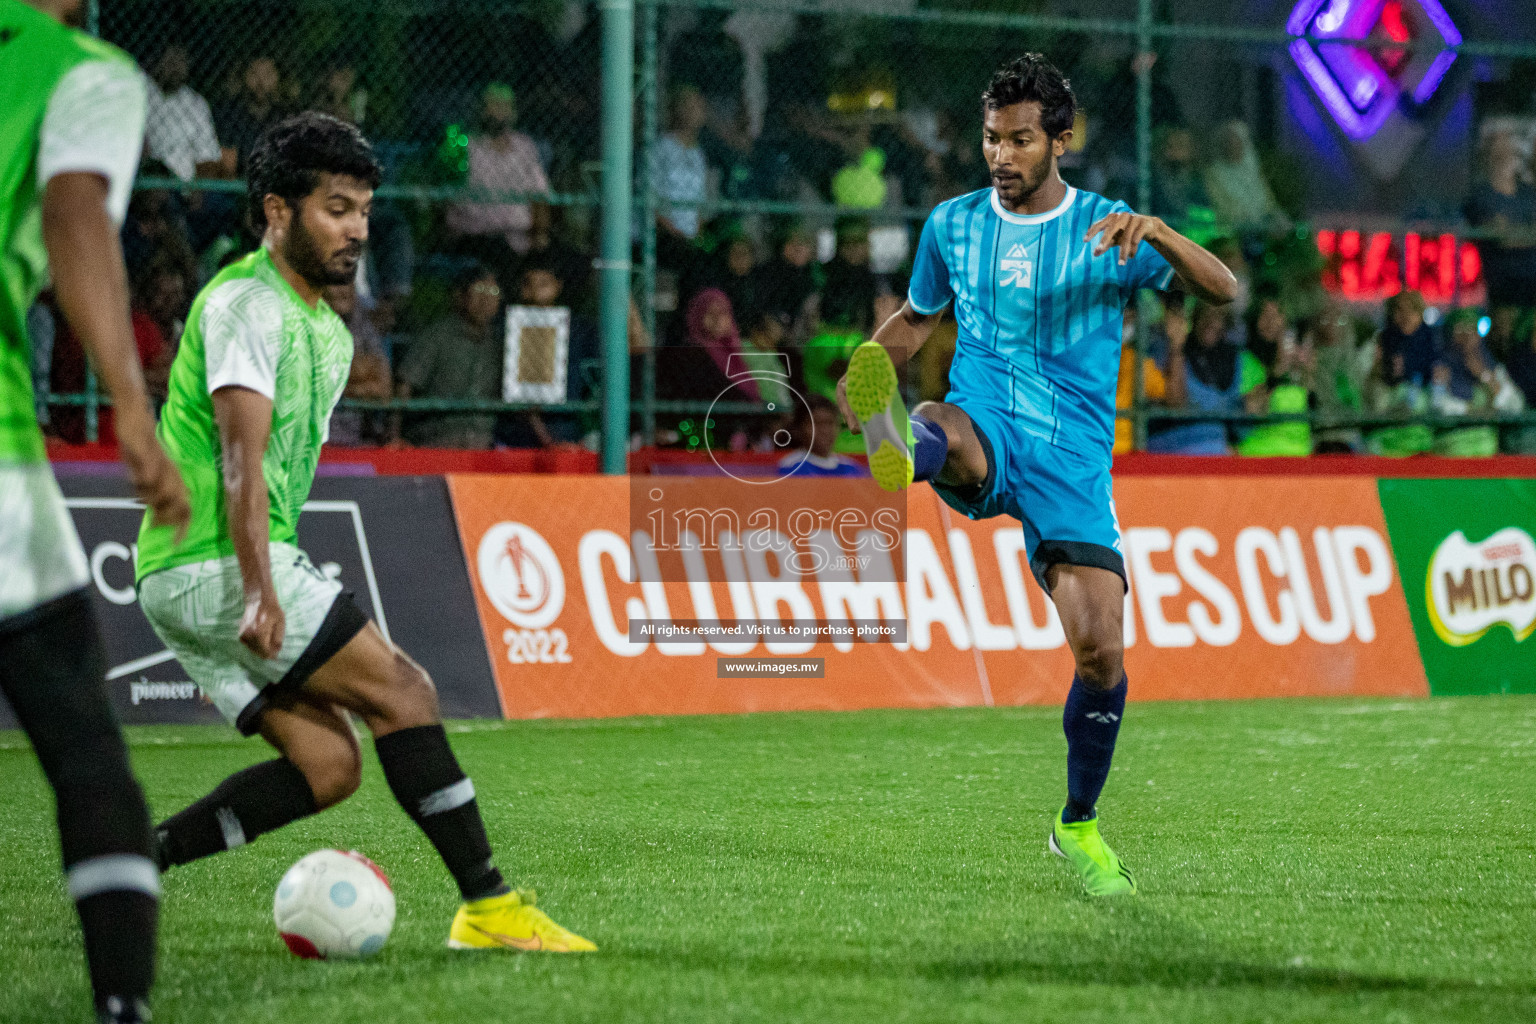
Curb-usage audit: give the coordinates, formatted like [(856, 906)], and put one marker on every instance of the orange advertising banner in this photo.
[(1240, 587)]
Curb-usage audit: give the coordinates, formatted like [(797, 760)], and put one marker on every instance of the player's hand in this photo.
[(263, 624), (1127, 230), (155, 478), (843, 406)]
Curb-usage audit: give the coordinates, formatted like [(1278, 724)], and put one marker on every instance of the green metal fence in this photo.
[(793, 98)]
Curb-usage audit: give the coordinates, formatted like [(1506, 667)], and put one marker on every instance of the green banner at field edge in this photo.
[(1467, 560)]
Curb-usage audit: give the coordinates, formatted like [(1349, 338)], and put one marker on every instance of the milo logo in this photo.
[(1471, 587)]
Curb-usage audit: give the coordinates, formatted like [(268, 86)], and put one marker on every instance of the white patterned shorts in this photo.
[(40, 553), (196, 610)]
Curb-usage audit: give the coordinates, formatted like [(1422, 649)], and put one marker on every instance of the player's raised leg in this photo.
[(398, 702), (1090, 601), (936, 442)]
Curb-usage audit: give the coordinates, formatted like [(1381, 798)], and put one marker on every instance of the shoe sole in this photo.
[(456, 944), (874, 395)]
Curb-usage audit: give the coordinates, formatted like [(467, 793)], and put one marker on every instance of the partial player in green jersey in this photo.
[(71, 128), (271, 640)]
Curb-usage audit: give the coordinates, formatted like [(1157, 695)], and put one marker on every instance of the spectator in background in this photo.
[(761, 355), (1407, 346), (1178, 190), (338, 93), (1276, 378), (178, 123), (1521, 365), (458, 356), (848, 296), (163, 292), (1504, 201), (369, 377), (961, 168), (550, 245), (786, 283), (712, 329), (705, 367), (1204, 354), (861, 183), (1403, 357), (501, 160), (733, 273), (1235, 183), (69, 370), (257, 105), (814, 434), (1158, 389), (386, 273), (541, 286), (1469, 382), (680, 172), (154, 233), (1339, 378)]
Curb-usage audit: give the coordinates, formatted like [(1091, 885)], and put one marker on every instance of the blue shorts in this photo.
[(1065, 500)]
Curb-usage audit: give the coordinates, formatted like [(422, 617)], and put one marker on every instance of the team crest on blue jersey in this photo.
[(1018, 269)]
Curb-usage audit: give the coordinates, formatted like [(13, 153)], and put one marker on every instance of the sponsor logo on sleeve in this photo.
[(1470, 587)]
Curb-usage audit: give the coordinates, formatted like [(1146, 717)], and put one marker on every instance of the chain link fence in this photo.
[(787, 154)]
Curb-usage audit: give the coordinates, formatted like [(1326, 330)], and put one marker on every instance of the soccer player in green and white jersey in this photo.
[(269, 639), (71, 128)]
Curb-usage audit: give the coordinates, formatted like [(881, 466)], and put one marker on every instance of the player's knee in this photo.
[(412, 696), (965, 464), (1101, 659), (334, 772)]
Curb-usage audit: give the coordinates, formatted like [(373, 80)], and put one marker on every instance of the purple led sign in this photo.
[(1358, 87)]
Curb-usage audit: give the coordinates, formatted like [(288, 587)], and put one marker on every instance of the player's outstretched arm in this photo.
[(92, 289), (1202, 273), (902, 335), (244, 419)]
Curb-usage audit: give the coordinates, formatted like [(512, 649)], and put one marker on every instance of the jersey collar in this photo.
[(1038, 218)]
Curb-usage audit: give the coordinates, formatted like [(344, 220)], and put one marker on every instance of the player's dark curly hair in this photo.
[(1032, 78), (290, 156)]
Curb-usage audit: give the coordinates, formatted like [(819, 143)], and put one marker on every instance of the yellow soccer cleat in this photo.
[(874, 395), (512, 922)]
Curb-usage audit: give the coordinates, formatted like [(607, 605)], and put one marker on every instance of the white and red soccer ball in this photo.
[(334, 905)]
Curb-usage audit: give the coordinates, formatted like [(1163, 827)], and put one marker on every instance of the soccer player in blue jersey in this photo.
[(1039, 274)]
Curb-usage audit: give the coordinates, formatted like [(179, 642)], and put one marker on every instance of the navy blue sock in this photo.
[(931, 449), (1091, 721)]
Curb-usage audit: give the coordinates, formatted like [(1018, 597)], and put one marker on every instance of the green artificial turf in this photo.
[(1341, 860)]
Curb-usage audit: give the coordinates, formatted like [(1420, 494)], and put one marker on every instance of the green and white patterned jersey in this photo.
[(248, 328), (67, 103)]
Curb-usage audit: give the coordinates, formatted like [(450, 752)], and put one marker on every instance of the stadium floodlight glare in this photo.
[(1362, 88)]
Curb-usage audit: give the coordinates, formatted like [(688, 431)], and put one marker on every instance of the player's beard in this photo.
[(303, 254), (1017, 190)]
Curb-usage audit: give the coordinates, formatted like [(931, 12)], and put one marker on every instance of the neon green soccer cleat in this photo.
[(512, 922), (875, 396), (1081, 846)]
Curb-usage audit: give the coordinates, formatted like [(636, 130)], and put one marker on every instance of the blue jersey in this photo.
[(1040, 318)]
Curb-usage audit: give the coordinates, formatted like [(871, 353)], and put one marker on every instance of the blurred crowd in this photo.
[(763, 311)]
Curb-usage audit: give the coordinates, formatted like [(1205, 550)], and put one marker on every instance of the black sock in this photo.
[(249, 803), (425, 777), (52, 667), (1091, 721), (119, 929)]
